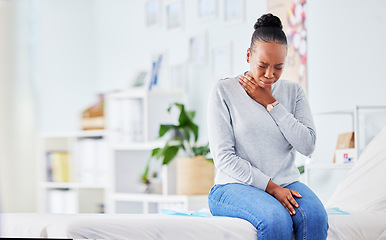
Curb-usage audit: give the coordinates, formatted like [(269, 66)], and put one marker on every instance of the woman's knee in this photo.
[(315, 219), (277, 224)]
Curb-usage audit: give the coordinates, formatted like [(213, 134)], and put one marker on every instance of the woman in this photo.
[(256, 124)]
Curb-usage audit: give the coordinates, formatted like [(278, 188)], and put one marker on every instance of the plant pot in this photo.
[(195, 176)]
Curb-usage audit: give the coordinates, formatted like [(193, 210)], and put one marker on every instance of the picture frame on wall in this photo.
[(174, 15), (197, 49), (207, 9), (159, 74), (153, 12), (234, 11), (222, 60), (178, 76)]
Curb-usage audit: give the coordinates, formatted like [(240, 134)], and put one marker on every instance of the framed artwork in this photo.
[(159, 74), (222, 60), (207, 9), (197, 49), (174, 15), (178, 76), (153, 12), (234, 11), (292, 13)]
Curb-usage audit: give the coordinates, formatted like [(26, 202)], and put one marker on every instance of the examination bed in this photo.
[(357, 210)]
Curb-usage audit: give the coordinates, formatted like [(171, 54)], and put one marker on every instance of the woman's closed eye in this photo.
[(277, 68)]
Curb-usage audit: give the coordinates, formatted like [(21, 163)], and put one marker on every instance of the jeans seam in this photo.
[(238, 209), (304, 222)]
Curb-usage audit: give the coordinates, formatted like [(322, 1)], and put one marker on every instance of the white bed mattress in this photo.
[(358, 225), (125, 226), (366, 225)]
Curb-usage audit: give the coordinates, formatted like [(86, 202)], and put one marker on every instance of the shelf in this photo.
[(75, 134), (72, 185), (138, 146), (157, 197), (142, 93)]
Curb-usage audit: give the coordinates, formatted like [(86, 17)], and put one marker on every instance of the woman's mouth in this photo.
[(267, 84)]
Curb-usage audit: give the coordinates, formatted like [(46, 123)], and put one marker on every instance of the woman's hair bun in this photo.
[(268, 20)]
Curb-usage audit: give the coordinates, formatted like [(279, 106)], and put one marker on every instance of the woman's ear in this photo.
[(248, 54)]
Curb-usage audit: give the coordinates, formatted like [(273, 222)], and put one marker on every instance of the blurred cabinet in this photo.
[(98, 171), (72, 172)]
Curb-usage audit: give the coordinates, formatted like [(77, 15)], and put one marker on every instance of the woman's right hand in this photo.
[(284, 196)]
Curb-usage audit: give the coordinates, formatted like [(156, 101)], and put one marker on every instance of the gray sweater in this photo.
[(250, 145)]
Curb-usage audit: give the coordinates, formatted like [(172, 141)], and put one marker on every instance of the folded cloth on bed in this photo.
[(200, 213), (336, 211)]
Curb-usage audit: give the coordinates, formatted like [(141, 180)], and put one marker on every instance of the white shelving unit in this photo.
[(310, 164), (132, 120), (364, 121), (332, 166), (76, 194), (129, 152)]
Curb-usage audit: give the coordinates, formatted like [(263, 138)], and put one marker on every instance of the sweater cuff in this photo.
[(279, 113), (260, 180)]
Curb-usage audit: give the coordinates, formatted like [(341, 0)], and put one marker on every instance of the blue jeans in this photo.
[(268, 215)]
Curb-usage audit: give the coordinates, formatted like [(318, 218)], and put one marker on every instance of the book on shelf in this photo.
[(91, 161), (58, 166), (127, 120), (62, 201)]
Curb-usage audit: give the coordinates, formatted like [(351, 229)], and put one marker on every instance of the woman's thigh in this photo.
[(267, 214)]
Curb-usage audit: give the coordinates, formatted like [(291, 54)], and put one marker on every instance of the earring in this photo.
[(247, 59)]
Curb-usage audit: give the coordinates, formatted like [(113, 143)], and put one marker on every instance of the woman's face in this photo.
[(266, 62)]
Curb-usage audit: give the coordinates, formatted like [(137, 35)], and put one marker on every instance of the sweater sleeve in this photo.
[(297, 128), (222, 143)]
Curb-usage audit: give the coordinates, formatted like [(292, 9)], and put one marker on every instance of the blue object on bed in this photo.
[(186, 213), (336, 211)]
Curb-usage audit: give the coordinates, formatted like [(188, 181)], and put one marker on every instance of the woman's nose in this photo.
[(268, 73)]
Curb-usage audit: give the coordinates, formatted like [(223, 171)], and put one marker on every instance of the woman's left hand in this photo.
[(256, 92)]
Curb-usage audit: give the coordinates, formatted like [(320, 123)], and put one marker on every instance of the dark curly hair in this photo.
[(268, 28)]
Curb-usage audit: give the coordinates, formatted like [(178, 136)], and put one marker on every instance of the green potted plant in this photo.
[(195, 172)]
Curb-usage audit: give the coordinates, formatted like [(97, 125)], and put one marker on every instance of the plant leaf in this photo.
[(169, 153), (144, 177), (301, 169), (195, 132), (164, 128), (202, 150), (186, 133), (156, 153), (191, 114), (183, 118)]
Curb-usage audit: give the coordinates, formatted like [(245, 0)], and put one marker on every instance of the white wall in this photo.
[(85, 47), (90, 46), (346, 54), (126, 45), (66, 79), (346, 46)]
